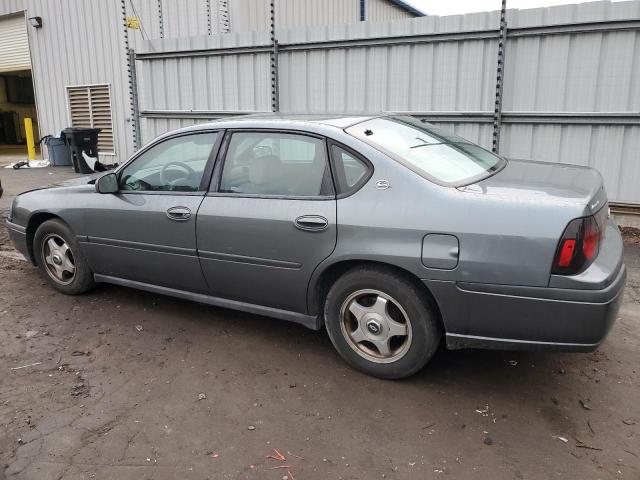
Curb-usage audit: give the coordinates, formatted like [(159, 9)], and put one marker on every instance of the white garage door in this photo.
[(14, 45)]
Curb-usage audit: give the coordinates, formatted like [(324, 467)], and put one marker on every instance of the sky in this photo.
[(454, 7)]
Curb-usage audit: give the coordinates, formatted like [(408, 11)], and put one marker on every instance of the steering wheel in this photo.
[(186, 169)]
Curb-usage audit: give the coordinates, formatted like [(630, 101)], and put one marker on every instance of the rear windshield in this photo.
[(432, 152)]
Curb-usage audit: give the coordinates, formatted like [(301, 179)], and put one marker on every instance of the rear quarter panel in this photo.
[(503, 240)]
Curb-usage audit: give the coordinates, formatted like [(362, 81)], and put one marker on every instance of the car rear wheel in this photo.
[(381, 323), (59, 258)]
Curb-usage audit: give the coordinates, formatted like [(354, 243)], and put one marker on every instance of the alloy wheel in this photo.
[(375, 326), (58, 259)]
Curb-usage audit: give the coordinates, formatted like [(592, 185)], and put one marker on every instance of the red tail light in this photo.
[(579, 244), (566, 252)]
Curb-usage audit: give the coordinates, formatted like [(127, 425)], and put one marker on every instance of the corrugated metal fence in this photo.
[(571, 80)]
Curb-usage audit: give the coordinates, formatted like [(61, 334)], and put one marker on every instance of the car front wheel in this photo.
[(58, 256), (381, 323)]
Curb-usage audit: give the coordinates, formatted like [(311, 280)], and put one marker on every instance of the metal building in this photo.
[(66, 62)]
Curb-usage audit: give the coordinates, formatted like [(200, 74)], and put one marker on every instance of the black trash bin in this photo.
[(79, 140), (59, 153)]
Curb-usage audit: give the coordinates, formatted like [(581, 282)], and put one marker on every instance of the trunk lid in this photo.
[(545, 183)]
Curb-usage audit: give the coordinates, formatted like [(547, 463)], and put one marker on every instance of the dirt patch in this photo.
[(630, 235)]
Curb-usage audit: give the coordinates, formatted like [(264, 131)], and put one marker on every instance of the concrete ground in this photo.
[(15, 153), (131, 385)]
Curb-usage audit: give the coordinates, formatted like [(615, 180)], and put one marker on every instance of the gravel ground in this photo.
[(132, 385)]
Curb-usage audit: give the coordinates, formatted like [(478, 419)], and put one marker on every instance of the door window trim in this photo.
[(206, 174), (214, 186), (360, 183)]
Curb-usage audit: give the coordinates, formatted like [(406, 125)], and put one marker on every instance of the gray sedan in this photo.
[(387, 231)]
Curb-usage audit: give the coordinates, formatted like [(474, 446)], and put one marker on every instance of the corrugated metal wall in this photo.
[(248, 15), (83, 42), (14, 44), (77, 47), (572, 88), (219, 83), (571, 93)]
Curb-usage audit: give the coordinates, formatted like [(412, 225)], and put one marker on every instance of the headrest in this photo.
[(264, 170)]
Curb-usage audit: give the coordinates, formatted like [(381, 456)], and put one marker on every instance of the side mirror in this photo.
[(107, 183)]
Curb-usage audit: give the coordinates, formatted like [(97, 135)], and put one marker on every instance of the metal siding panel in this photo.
[(14, 44), (629, 177), (59, 61), (576, 72), (8, 7)]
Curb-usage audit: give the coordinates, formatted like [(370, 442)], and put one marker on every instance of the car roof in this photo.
[(275, 120)]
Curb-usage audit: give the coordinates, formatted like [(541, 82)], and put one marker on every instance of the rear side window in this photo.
[(349, 170), (438, 155), (273, 163)]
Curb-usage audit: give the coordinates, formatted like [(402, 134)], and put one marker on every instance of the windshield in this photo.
[(430, 151)]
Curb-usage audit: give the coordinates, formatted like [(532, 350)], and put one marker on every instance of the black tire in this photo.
[(82, 279), (423, 332)]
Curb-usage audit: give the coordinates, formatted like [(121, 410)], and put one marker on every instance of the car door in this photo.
[(146, 232), (269, 219)]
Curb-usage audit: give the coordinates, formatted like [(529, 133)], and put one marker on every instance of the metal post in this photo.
[(223, 16), (502, 44), (160, 19), (275, 94), (132, 113), (31, 146), (134, 99), (207, 6)]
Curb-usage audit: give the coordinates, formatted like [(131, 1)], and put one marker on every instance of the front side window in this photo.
[(177, 164), (435, 153), (270, 163)]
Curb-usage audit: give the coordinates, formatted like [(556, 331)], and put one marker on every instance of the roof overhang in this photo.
[(408, 7)]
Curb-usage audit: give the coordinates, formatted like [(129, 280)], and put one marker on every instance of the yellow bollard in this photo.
[(31, 146)]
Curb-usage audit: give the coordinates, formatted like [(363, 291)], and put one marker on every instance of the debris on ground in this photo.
[(278, 456), (483, 411), (79, 353), (251, 427), (31, 334), (562, 439), (513, 363), (630, 235), (581, 444), (281, 458), (629, 422), (590, 427), (139, 328), (26, 366), (202, 396), (584, 405), (80, 389)]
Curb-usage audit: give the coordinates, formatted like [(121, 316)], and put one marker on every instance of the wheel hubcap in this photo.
[(375, 326), (58, 259)]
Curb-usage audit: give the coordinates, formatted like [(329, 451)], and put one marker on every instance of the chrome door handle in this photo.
[(311, 223), (179, 214)]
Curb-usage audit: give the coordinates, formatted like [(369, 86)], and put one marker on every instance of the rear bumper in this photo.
[(527, 318), (18, 236)]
